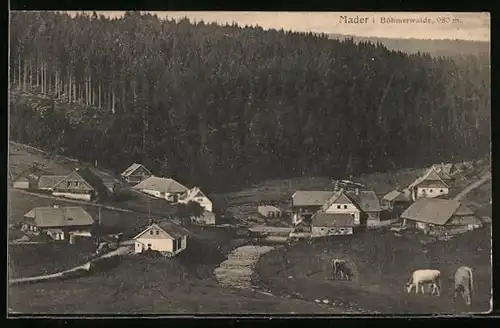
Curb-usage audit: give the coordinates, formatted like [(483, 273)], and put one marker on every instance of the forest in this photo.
[(223, 106)]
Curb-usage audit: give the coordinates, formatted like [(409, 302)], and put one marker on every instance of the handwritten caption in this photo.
[(394, 20)]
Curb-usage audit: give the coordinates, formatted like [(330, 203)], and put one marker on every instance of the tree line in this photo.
[(226, 105)]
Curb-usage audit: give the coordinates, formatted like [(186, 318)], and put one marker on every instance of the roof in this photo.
[(92, 179), (395, 195), (49, 181), (435, 210), (430, 175), (311, 198), (194, 193), (170, 228), (32, 173), (366, 200), (268, 208), (132, 168), (48, 217), (338, 197), (432, 184), (206, 215), (323, 219), (166, 185)]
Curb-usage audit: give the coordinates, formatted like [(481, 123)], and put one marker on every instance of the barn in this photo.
[(136, 173), (438, 217)]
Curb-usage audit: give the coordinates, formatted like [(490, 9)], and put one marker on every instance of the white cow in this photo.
[(419, 278), (463, 284)]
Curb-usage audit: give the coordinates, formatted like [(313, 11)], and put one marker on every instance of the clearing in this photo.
[(382, 263)]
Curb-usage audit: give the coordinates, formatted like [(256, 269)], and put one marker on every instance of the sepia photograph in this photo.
[(174, 163)]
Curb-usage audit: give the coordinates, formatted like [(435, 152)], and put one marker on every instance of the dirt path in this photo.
[(486, 177), (112, 208)]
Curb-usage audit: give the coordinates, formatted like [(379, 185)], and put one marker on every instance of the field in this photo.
[(382, 263)]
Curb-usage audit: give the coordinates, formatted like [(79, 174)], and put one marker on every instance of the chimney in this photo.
[(356, 191), (151, 221)]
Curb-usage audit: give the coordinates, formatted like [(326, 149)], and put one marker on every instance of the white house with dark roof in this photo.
[(164, 188), (341, 203), (165, 237), (196, 195), (136, 173), (430, 185), (59, 222), (440, 216)]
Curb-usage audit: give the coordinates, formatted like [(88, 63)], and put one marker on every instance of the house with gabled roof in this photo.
[(59, 222), (136, 173), (196, 195), (430, 185), (332, 224), (437, 216), (164, 188), (305, 203), (28, 179), (341, 203), (165, 237), (82, 184)]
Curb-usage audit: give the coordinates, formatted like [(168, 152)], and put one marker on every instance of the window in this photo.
[(441, 190), (345, 207), (157, 232), (430, 190), (322, 229), (179, 243), (151, 232), (149, 246), (68, 184), (338, 206)]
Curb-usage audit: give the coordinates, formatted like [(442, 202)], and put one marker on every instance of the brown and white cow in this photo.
[(463, 284), (340, 269), (419, 278)]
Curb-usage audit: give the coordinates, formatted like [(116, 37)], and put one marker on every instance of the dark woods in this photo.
[(220, 106)]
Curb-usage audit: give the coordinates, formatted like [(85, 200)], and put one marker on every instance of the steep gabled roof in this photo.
[(430, 175), (49, 181), (366, 200), (132, 168), (166, 185), (311, 198), (322, 219), (435, 211), (46, 217), (171, 229), (193, 193), (87, 175), (337, 197)]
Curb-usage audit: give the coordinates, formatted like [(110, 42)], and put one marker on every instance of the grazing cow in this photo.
[(463, 284), (340, 269), (421, 277)]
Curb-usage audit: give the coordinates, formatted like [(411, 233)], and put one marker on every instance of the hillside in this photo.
[(240, 105), (434, 47)]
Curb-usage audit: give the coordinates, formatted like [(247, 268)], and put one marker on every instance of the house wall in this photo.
[(372, 219), (136, 178), (350, 209), (386, 204), (21, 184), (160, 244), (431, 192), (300, 211), (83, 196), (331, 231)]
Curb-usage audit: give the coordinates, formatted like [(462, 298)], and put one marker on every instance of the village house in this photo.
[(165, 237), (60, 223), (430, 185), (136, 173), (196, 195), (164, 188), (306, 203), (332, 224), (28, 179), (368, 204), (395, 202), (81, 184), (206, 218), (440, 216), (341, 203), (269, 211)]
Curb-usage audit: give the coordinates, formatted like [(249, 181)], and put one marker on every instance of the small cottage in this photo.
[(306, 203), (196, 195), (394, 200), (28, 179), (341, 203), (207, 218), (269, 211), (136, 173), (81, 184), (369, 205), (440, 217), (430, 185), (164, 188), (165, 237), (332, 224), (60, 223)]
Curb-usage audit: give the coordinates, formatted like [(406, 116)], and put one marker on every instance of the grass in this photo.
[(382, 264)]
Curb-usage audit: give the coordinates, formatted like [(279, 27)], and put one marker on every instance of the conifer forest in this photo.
[(228, 105)]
